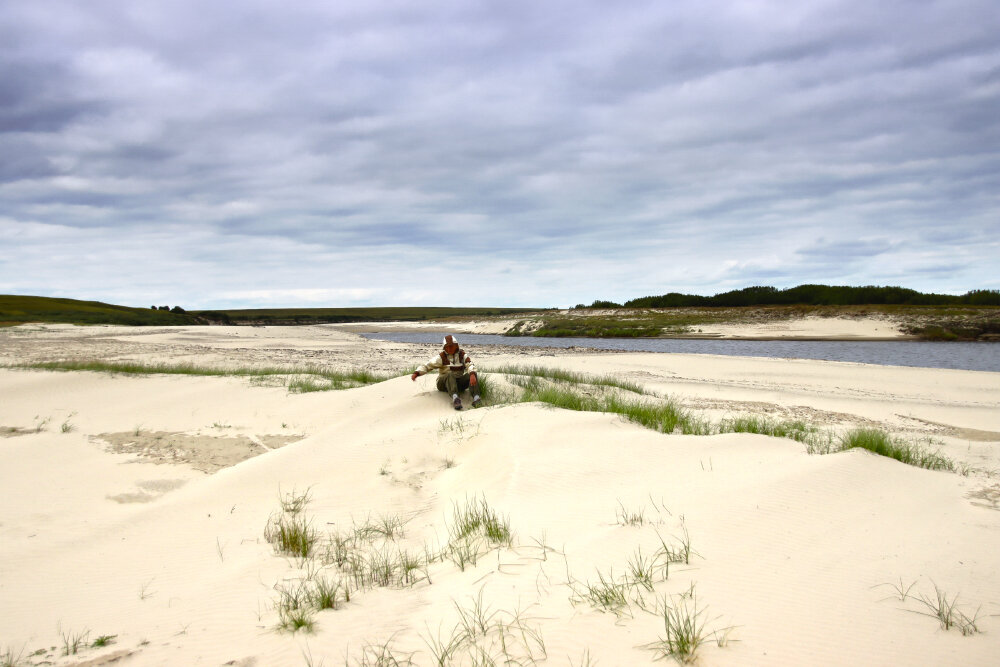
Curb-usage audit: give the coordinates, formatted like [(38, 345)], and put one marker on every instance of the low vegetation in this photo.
[(684, 628), (301, 316), (486, 636), (375, 553), (940, 606), (938, 323), (296, 379), (576, 391), (369, 554), (16, 309), (881, 443)]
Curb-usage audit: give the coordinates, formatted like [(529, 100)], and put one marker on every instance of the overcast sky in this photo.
[(340, 153)]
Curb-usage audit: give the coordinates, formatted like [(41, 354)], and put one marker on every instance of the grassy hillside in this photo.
[(16, 309), (341, 315), (23, 309)]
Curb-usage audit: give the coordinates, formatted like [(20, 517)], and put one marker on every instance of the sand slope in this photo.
[(795, 553)]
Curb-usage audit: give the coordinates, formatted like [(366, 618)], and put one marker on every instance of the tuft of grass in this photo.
[(9, 659), (464, 552), (902, 591), (626, 517), (294, 620), (684, 629), (679, 551), (664, 416), (606, 594), (294, 502), (384, 526), (73, 641), (585, 660), (295, 610), (382, 655), (103, 640), (486, 636), (291, 535), (325, 593), (641, 570), (947, 613), (477, 518), (795, 430), (881, 443), (488, 393)]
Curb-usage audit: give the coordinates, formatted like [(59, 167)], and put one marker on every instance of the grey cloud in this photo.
[(849, 249), (37, 97)]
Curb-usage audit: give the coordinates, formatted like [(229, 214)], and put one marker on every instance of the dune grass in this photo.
[(477, 518), (663, 415), (566, 376), (486, 636), (289, 531), (298, 379), (947, 613), (586, 393), (684, 629), (881, 443), (795, 430), (10, 659)]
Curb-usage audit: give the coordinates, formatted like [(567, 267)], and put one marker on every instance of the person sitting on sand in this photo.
[(456, 372)]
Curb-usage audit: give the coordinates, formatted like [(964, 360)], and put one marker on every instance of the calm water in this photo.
[(965, 356)]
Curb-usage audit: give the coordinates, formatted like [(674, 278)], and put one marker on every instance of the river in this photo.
[(955, 355)]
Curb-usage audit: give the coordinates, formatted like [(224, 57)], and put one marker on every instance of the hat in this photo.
[(450, 340)]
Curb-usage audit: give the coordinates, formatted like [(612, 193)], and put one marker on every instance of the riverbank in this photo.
[(138, 509), (759, 328), (749, 323)]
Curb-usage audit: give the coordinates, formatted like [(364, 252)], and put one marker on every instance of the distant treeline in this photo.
[(809, 295)]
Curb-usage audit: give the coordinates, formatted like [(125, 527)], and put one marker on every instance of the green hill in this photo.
[(16, 309), (23, 309), (285, 316)]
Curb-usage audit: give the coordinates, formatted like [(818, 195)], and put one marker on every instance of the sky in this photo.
[(318, 153)]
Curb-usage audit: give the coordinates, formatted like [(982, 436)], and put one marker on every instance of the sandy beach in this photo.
[(137, 509)]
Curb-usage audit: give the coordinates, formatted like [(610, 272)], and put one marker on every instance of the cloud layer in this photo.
[(242, 154)]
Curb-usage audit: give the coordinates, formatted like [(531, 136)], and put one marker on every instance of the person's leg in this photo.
[(463, 382), (474, 390), (447, 382)]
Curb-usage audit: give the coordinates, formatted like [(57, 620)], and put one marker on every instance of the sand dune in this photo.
[(797, 559)]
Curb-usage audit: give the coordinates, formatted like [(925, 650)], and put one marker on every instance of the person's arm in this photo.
[(431, 365), (470, 368)]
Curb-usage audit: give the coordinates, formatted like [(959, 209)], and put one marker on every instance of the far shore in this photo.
[(803, 328)]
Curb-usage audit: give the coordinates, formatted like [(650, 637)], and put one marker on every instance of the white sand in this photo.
[(795, 552), (843, 328)]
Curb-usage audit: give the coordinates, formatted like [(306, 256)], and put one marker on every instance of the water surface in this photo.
[(962, 356)]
